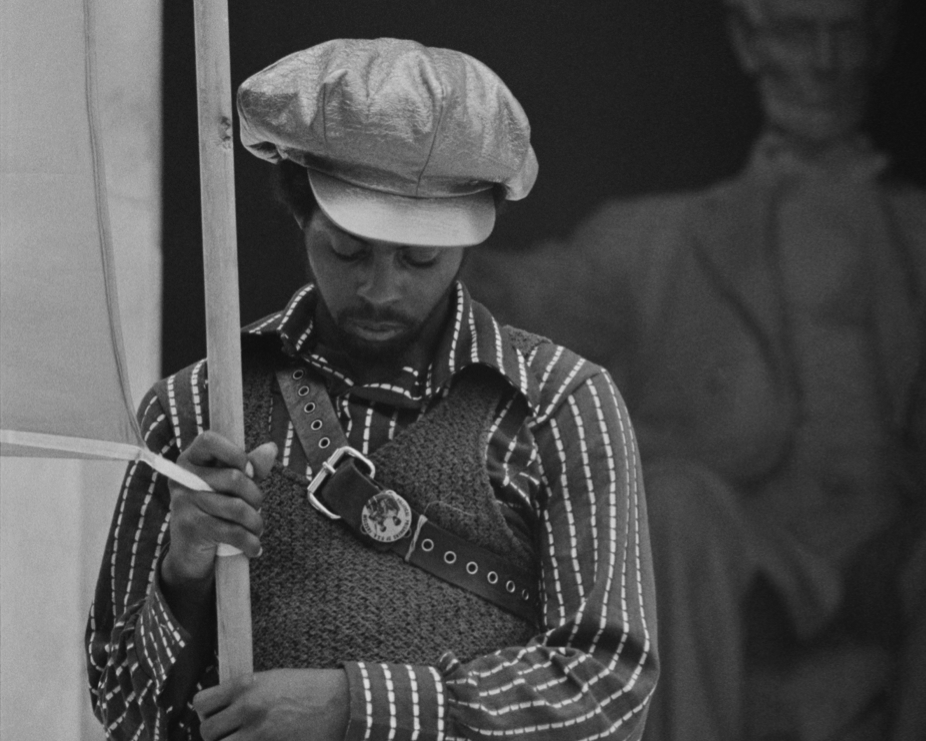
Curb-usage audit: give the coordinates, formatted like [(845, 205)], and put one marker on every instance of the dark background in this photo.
[(625, 97)]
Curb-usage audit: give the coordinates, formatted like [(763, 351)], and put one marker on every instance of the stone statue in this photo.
[(769, 335)]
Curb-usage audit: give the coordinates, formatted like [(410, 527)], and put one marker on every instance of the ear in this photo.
[(742, 37)]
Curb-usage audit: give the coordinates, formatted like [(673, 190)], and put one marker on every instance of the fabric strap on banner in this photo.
[(107, 450)]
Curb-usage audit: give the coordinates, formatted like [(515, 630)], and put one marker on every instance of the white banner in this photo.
[(62, 366)]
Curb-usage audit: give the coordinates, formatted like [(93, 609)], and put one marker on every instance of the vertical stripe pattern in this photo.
[(564, 465)]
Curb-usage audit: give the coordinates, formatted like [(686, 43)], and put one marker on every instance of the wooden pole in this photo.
[(223, 342)]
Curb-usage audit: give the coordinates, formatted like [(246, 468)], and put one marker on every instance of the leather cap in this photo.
[(403, 143)]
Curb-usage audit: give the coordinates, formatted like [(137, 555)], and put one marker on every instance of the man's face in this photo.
[(382, 299), (814, 60)]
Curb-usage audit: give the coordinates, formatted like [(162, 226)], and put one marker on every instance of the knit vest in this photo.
[(319, 596)]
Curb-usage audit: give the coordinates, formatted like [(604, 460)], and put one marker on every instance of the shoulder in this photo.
[(180, 400), (554, 372), (648, 217)]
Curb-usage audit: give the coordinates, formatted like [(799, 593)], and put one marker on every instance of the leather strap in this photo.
[(346, 492), (313, 417), (432, 548)]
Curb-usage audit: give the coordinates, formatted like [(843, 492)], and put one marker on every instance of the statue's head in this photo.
[(813, 60)]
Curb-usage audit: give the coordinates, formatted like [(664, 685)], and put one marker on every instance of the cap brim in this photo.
[(458, 221)]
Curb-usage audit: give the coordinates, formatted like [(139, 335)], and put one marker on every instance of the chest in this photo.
[(315, 582)]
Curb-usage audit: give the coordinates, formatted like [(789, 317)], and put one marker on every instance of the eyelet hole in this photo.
[(303, 390), (299, 373), (492, 577), (427, 545), (316, 424), (309, 408), (324, 443), (525, 595), (509, 586), (450, 557)]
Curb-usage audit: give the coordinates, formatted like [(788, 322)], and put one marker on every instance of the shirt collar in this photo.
[(472, 337)]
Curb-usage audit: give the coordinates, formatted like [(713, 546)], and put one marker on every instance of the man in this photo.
[(476, 563), (769, 335)]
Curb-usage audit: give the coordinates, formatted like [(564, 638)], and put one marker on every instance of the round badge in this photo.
[(386, 517)]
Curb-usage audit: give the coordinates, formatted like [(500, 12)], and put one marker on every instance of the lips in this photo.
[(374, 330)]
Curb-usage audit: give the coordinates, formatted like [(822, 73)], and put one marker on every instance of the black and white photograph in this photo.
[(439, 370)]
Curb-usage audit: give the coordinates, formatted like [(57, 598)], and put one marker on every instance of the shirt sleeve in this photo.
[(590, 673), (132, 637)]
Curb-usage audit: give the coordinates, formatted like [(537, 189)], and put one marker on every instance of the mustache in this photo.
[(368, 313)]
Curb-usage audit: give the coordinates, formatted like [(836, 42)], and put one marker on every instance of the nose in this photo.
[(381, 281)]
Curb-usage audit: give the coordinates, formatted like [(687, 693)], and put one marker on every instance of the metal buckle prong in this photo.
[(327, 470)]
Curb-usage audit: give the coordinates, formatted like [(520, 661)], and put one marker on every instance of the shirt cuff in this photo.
[(159, 636), (395, 701)]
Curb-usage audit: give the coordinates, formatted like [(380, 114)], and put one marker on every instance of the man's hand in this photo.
[(200, 520), (277, 705)]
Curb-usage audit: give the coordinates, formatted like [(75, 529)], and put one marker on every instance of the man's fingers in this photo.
[(210, 452), (262, 458), (210, 449), (218, 713), (209, 518), (228, 514), (231, 510), (231, 482), (211, 700)]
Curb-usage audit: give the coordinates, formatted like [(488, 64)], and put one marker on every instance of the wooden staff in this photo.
[(223, 341)]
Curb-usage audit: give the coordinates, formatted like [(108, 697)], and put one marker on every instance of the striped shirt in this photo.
[(561, 457)]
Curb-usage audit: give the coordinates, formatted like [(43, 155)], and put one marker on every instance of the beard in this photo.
[(391, 353), (387, 352)]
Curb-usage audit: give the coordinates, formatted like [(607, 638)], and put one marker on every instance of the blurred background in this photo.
[(625, 98)]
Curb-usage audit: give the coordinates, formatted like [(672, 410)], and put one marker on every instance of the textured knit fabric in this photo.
[(557, 483), (322, 597)]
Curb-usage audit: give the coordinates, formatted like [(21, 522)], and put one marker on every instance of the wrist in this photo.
[(179, 582)]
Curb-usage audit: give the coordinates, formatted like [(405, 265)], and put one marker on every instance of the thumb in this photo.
[(262, 458)]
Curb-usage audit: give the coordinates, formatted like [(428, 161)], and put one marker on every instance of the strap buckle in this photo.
[(328, 469)]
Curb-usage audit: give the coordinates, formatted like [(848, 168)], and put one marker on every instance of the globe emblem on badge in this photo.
[(386, 517)]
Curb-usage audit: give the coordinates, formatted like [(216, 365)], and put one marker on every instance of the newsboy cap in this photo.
[(402, 143)]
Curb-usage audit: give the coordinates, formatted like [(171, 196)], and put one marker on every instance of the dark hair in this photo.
[(292, 189)]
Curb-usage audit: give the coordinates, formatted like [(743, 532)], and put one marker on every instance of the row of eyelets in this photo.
[(427, 545), (309, 408), (472, 568)]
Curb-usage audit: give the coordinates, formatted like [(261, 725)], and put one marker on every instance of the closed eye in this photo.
[(349, 251), (420, 257)]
